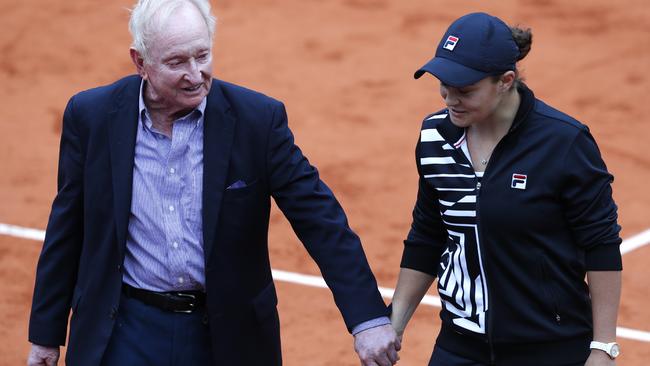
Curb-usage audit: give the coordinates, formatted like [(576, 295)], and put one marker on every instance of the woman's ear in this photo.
[(507, 80)]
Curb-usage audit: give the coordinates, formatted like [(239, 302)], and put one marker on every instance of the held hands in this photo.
[(377, 346), (43, 356)]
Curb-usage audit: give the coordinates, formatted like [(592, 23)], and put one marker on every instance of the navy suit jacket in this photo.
[(246, 137)]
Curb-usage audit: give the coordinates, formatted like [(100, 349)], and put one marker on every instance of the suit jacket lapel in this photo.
[(123, 122), (218, 135)]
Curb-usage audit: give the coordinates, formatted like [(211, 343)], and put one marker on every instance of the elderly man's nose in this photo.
[(193, 73)]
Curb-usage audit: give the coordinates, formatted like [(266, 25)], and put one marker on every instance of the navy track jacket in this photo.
[(511, 250)]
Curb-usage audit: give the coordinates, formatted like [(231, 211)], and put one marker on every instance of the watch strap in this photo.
[(605, 347)]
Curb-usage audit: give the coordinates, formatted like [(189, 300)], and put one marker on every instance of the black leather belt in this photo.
[(174, 301)]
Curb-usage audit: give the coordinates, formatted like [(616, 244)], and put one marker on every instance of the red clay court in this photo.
[(344, 69)]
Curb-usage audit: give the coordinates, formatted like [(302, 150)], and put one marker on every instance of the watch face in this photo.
[(615, 351)]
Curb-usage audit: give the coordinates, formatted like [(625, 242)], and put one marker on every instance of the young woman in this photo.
[(514, 208)]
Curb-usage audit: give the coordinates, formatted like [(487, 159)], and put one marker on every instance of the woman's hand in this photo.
[(599, 358)]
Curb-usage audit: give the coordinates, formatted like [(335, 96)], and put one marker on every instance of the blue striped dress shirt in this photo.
[(164, 247)]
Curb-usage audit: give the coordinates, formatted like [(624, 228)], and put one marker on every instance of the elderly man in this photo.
[(157, 239)]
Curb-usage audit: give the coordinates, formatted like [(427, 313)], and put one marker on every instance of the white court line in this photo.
[(637, 335), (317, 281), (22, 232), (635, 242)]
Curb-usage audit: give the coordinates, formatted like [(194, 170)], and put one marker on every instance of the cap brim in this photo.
[(451, 73)]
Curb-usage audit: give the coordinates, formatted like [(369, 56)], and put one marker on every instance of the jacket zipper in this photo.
[(479, 185), (482, 253), (480, 233)]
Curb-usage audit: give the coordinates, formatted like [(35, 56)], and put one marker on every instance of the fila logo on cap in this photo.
[(519, 181), (450, 43)]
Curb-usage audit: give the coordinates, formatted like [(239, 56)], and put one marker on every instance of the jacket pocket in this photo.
[(549, 290), (240, 193)]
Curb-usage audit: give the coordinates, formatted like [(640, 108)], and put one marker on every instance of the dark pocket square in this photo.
[(238, 184)]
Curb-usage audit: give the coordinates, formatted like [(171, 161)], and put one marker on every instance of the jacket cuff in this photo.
[(423, 258), (604, 258)]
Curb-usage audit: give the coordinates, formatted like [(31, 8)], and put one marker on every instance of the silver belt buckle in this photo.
[(192, 305)]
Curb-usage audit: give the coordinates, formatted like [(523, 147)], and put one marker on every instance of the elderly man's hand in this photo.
[(43, 356), (377, 346)]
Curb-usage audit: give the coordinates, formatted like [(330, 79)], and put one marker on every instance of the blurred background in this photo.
[(344, 68)]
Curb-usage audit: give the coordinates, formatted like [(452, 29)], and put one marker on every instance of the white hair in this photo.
[(148, 15)]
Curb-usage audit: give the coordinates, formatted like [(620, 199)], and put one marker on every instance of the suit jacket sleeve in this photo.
[(321, 225), (57, 266)]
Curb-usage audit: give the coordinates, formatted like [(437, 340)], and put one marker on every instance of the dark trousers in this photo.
[(145, 335), (442, 357)]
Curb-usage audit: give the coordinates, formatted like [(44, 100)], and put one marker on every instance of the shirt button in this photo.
[(171, 208), (172, 170), (175, 245), (180, 280)]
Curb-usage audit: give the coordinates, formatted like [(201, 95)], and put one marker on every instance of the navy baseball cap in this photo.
[(475, 46)]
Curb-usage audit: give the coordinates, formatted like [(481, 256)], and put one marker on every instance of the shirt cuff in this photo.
[(372, 323)]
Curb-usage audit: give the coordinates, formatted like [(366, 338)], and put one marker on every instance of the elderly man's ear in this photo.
[(138, 61)]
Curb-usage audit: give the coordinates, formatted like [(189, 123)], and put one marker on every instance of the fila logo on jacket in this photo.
[(461, 275)]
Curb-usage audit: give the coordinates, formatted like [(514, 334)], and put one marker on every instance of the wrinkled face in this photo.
[(471, 104), (179, 68)]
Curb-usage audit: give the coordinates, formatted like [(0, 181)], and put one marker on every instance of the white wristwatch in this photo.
[(612, 349)]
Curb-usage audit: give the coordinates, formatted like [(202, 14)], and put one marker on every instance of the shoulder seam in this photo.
[(568, 120)]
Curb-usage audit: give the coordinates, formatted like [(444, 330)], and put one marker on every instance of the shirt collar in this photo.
[(144, 114)]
